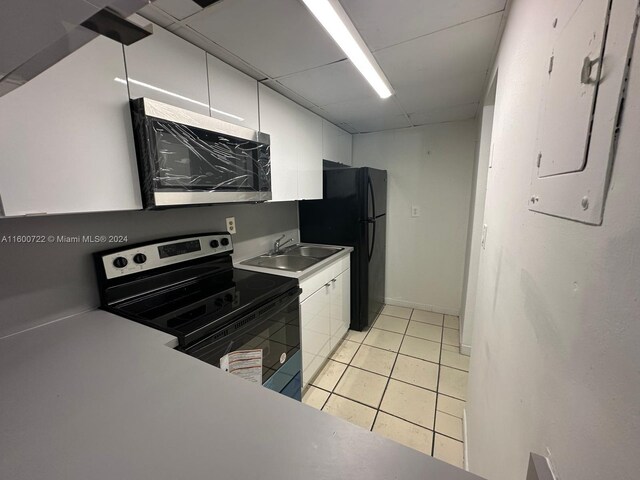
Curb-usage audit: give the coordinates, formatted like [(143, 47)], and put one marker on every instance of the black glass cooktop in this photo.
[(195, 307)]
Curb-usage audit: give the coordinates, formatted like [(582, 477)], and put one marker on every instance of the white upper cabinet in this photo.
[(296, 147), (277, 118), (309, 155), (336, 144), (233, 96), (66, 137), (167, 68)]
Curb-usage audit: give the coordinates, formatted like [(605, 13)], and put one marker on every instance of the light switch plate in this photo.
[(415, 211), (231, 225)]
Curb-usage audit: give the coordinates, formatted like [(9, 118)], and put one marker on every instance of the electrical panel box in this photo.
[(592, 42)]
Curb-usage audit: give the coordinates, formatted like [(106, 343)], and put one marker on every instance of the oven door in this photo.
[(186, 158), (275, 329)]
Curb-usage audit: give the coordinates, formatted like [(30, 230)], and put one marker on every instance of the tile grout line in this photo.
[(435, 410), (389, 377), (375, 418), (348, 365)]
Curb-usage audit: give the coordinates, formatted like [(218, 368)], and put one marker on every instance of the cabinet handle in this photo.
[(333, 281), (327, 284), (585, 73)]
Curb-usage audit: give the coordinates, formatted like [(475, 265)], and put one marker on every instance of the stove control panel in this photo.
[(149, 256)]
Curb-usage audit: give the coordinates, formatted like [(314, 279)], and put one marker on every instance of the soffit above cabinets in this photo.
[(435, 53)]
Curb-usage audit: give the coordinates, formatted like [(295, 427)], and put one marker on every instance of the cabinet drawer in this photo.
[(324, 276), (343, 265)]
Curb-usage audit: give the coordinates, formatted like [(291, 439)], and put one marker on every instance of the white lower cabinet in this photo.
[(325, 315), (340, 292)]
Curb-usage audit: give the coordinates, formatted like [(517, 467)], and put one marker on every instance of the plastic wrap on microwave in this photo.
[(189, 158)]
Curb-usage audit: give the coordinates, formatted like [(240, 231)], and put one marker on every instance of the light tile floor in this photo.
[(404, 379)]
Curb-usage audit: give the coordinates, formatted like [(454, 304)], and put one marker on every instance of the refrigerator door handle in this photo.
[(373, 218), (373, 197), (373, 241)]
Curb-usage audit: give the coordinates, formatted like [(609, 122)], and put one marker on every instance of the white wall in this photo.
[(44, 282), (556, 356), (430, 167), (476, 222)]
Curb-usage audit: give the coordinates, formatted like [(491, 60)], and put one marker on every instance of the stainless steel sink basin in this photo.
[(294, 259), (283, 262), (316, 252)]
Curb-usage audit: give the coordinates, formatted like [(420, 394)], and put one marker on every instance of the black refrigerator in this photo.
[(353, 213)]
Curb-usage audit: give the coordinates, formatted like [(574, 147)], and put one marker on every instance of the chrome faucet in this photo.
[(277, 245)]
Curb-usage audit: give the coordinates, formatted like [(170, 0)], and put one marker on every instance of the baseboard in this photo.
[(422, 306), (465, 439)]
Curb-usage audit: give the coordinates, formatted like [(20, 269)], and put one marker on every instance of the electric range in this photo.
[(186, 286)]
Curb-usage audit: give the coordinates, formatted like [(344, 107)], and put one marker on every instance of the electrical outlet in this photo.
[(415, 211), (231, 225), (483, 242)]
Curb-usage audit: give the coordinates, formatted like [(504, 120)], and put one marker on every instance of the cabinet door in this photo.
[(66, 138), (345, 146), (278, 117), (340, 307), (233, 96), (309, 155), (336, 143), (315, 335), (167, 68)]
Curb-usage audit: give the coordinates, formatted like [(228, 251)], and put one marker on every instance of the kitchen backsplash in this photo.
[(47, 266)]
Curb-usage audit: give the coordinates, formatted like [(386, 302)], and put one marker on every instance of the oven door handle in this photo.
[(209, 340)]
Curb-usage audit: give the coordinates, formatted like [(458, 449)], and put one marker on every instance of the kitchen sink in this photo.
[(316, 252), (296, 258)]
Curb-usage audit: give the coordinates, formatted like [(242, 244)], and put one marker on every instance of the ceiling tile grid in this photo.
[(435, 53), (278, 37), (382, 23)]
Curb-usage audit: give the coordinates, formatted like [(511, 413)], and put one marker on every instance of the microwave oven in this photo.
[(185, 158)]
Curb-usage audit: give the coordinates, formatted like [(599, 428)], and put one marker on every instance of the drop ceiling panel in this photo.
[(178, 9), (445, 114), (216, 50), (291, 95), (453, 52), (155, 15), (458, 90), (333, 83), (382, 23), (369, 115), (278, 37)]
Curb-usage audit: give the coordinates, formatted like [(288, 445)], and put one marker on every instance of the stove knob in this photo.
[(228, 298), (218, 302), (224, 242), (214, 243), (139, 258), (120, 262)]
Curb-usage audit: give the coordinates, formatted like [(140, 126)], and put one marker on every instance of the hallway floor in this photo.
[(404, 379)]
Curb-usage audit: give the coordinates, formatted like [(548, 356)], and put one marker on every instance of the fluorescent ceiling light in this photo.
[(175, 95), (336, 22)]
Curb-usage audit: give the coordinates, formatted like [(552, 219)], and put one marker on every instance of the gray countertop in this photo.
[(97, 396)]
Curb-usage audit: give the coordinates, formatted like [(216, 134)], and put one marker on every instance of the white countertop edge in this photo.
[(299, 275)]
